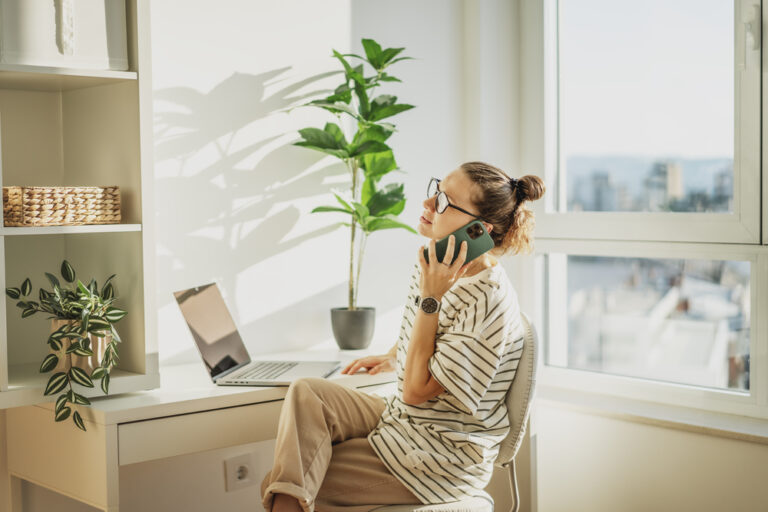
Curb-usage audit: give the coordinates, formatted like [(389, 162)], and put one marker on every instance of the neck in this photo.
[(479, 264)]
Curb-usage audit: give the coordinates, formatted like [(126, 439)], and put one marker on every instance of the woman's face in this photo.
[(457, 186)]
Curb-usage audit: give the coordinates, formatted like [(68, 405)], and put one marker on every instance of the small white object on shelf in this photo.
[(82, 34)]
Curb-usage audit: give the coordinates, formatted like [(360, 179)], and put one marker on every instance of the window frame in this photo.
[(741, 235), (740, 226), (753, 402)]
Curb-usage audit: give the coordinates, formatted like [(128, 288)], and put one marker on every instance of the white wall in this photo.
[(233, 196), (591, 463)]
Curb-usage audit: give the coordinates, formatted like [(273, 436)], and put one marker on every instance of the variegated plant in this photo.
[(91, 312)]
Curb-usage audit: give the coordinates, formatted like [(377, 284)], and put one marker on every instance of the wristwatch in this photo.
[(429, 305)]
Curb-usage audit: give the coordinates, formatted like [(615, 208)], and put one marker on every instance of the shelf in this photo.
[(26, 385), (42, 78), (63, 230)]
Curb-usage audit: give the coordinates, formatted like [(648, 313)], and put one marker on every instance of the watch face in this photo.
[(429, 305)]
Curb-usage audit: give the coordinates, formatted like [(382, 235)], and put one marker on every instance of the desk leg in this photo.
[(15, 493)]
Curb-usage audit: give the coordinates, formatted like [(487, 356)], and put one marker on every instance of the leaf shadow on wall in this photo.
[(219, 220)]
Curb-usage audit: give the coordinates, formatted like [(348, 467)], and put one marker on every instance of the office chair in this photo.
[(519, 398)]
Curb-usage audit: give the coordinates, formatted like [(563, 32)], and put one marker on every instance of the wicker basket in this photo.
[(60, 206)]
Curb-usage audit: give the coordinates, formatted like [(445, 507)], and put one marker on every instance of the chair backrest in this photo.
[(520, 394)]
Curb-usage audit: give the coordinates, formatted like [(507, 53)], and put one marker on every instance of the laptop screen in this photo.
[(212, 327)]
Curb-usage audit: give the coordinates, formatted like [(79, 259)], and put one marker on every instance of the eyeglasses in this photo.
[(442, 200)]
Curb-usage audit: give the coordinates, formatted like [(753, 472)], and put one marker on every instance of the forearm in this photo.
[(418, 383)]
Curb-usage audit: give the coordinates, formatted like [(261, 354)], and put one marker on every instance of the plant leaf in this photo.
[(80, 399), (105, 384), (321, 138), (78, 421), (370, 146), (336, 108), (98, 372), (398, 60), (49, 363), (378, 132), (335, 131), (63, 413), (329, 209), (338, 153), (373, 53), (53, 279), (26, 287), (388, 78), (114, 315), (81, 351), (73, 346), (28, 312), (97, 323), (362, 212), (342, 93), (377, 165), (56, 383), (54, 343), (106, 283), (61, 401), (67, 272), (389, 54), (108, 291), (368, 190), (350, 73), (390, 199), (344, 203), (13, 293), (389, 111), (80, 376), (388, 222), (85, 291), (364, 103)]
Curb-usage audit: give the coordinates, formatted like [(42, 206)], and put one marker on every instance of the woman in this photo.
[(435, 440)]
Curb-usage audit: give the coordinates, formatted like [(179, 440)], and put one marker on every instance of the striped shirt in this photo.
[(443, 449)]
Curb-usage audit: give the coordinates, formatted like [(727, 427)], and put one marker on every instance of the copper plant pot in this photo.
[(87, 363)]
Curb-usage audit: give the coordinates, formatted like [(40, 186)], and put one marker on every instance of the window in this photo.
[(649, 238), (675, 320)]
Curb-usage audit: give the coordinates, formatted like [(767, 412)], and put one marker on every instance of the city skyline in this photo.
[(633, 183)]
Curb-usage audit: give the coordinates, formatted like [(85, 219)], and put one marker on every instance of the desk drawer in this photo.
[(197, 432)]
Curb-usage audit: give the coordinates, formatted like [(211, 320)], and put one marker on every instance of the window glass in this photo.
[(646, 105), (683, 321)]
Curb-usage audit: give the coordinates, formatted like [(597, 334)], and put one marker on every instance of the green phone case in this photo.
[(475, 246)]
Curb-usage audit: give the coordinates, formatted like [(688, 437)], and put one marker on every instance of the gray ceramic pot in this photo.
[(353, 329)]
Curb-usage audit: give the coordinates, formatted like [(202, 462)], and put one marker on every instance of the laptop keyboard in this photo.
[(264, 370)]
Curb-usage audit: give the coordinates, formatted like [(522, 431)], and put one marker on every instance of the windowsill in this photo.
[(742, 428)]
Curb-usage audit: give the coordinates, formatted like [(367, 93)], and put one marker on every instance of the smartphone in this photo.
[(477, 238)]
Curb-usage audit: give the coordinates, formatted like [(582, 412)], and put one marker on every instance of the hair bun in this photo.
[(529, 187)]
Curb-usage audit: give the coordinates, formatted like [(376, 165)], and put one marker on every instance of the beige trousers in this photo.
[(322, 455)]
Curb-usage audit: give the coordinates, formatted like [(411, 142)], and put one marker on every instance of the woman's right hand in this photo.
[(374, 364)]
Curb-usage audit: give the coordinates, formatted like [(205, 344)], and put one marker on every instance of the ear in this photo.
[(488, 227)]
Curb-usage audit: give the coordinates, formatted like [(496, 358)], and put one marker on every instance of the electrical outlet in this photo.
[(239, 472)]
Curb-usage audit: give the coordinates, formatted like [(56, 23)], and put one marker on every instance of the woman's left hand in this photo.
[(437, 277)]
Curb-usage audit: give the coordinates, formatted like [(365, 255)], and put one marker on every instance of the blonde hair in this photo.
[(501, 200)]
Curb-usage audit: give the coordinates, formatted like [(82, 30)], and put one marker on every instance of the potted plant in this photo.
[(83, 338), (368, 158)]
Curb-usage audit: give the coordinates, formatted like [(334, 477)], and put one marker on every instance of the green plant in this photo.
[(372, 208), (91, 312)]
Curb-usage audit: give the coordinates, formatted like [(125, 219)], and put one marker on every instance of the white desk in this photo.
[(187, 414)]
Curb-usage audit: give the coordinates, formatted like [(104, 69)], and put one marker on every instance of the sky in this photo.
[(650, 77)]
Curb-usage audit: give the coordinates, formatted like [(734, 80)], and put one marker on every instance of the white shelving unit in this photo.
[(67, 127)]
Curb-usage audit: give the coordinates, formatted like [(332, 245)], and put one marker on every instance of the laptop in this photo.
[(223, 350)]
